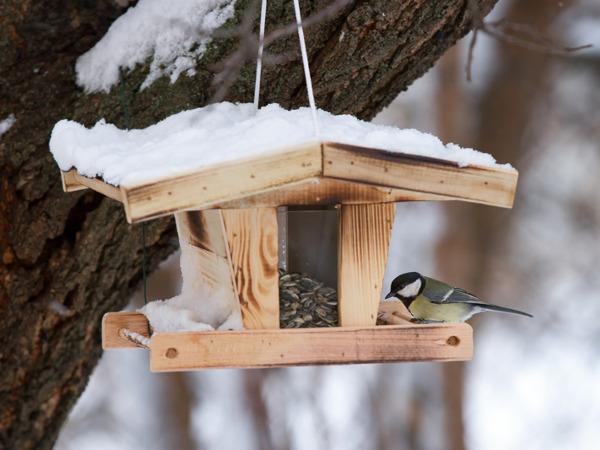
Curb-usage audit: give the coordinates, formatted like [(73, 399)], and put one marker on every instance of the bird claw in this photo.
[(424, 321)]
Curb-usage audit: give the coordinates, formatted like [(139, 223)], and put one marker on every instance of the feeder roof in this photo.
[(233, 156), (320, 173)]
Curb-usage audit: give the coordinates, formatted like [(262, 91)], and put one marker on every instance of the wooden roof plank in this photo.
[(327, 191), (73, 181), (493, 186), (316, 174), (221, 183)]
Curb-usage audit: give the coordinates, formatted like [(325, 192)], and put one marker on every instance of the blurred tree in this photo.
[(176, 404), (254, 385), (500, 117), (68, 259)]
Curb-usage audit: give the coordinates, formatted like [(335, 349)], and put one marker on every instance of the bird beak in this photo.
[(390, 295)]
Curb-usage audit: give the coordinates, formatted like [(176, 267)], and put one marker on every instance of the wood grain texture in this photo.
[(73, 181), (201, 235), (393, 312), (202, 230), (279, 348), (203, 188), (315, 174), (492, 186), (253, 242), (363, 245), (69, 181), (113, 322), (329, 191), (205, 264)]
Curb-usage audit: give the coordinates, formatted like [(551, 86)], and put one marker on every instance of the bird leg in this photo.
[(425, 321)]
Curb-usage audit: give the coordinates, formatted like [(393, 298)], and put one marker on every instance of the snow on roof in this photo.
[(174, 34), (226, 132)]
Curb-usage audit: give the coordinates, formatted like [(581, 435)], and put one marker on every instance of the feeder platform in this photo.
[(227, 221)]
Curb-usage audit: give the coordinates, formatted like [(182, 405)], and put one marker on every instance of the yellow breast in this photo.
[(422, 308)]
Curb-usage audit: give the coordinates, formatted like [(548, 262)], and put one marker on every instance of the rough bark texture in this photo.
[(66, 259)]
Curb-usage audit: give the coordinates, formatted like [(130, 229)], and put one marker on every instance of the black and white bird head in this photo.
[(407, 286)]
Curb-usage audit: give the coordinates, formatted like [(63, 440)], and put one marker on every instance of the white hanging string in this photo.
[(307, 77), (261, 43), (309, 87)]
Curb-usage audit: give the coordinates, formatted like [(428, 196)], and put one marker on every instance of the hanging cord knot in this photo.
[(136, 338)]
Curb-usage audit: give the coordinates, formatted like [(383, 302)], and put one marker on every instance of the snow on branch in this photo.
[(514, 33), (7, 123), (171, 34)]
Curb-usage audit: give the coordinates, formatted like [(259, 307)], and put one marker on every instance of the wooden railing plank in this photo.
[(489, 185), (310, 346), (253, 243), (363, 245)]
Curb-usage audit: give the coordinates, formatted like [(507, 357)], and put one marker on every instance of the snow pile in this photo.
[(200, 306), (174, 34), (224, 132), (188, 313), (7, 123)]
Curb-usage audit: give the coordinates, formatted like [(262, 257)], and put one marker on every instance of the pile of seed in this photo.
[(305, 302)]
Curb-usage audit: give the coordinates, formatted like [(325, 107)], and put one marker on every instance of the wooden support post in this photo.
[(364, 238), (205, 266), (253, 246)]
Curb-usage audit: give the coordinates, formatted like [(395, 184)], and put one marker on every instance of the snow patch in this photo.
[(174, 34), (225, 132), (200, 306), (7, 123), (180, 313)]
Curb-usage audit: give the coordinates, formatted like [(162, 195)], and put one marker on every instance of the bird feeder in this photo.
[(227, 215)]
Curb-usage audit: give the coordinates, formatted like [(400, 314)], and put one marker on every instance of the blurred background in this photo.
[(532, 384)]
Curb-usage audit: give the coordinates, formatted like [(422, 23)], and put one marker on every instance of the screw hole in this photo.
[(453, 340), (171, 353)]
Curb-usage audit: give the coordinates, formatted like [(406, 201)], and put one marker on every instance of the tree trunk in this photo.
[(66, 259), (468, 250)]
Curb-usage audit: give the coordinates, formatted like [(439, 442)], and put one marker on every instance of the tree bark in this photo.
[(66, 259)]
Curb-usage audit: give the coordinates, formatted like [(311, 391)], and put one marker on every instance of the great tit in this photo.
[(430, 300)]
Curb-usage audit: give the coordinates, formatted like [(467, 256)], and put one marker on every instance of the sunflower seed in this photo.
[(306, 302)]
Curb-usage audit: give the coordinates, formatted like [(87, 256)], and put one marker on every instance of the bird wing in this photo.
[(436, 291), (439, 292), (461, 296)]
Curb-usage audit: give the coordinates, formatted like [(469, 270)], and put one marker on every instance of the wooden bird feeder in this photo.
[(227, 213)]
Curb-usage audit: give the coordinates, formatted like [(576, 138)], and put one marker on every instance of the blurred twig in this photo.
[(514, 33)]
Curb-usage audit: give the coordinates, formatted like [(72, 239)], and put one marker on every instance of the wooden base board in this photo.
[(293, 347)]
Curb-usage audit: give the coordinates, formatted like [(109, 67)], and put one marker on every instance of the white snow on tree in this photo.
[(7, 123), (172, 35)]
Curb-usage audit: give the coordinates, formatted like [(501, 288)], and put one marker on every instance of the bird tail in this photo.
[(488, 307)]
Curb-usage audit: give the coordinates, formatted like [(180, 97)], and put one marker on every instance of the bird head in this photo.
[(406, 286)]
